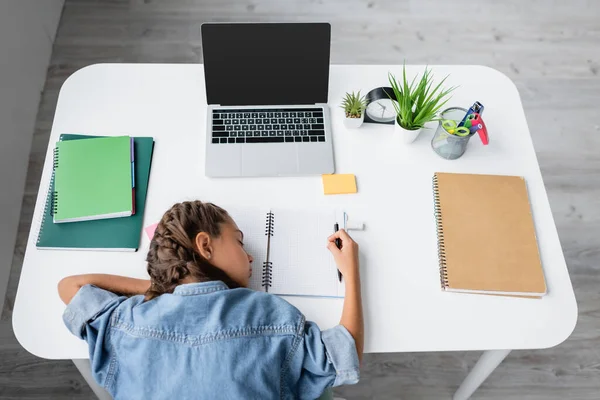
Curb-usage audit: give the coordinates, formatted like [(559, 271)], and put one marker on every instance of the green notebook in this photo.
[(116, 234), (93, 179)]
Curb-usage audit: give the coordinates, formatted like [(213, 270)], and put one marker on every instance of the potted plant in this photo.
[(416, 103), (354, 106)]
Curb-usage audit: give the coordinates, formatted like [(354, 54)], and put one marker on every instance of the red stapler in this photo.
[(476, 124)]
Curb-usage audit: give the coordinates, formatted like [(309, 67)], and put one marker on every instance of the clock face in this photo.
[(380, 107), (381, 110)]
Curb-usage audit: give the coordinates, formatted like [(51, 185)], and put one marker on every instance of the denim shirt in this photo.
[(206, 341)]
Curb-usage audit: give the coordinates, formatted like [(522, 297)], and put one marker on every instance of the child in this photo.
[(194, 331)]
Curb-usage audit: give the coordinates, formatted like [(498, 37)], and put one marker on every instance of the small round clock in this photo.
[(380, 108)]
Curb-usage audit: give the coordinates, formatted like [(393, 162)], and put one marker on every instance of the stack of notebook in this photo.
[(97, 193), (486, 236)]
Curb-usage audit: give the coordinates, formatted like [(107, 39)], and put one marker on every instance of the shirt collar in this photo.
[(190, 289)]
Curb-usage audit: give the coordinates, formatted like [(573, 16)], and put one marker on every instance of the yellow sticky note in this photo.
[(339, 183)]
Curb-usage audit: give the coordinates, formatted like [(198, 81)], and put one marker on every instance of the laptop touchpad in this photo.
[(269, 159)]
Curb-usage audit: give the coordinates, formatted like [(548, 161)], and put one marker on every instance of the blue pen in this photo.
[(477, 107)]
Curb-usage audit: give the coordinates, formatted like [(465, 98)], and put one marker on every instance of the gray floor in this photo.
[(550, 49)]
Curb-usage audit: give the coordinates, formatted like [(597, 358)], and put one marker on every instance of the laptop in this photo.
[(266, 89)]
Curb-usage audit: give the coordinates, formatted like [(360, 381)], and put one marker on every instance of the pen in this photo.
[(338, 244)]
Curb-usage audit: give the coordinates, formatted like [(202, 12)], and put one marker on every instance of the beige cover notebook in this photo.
[(486, 236)]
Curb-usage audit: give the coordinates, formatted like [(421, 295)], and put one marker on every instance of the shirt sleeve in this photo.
[(323, 359), (88, 317)]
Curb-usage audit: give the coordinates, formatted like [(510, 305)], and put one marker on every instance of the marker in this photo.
[(338, 244)]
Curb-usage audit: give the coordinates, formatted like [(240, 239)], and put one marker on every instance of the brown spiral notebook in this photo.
[(486, 236)]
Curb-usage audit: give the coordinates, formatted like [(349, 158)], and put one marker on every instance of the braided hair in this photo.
[(173, 255)]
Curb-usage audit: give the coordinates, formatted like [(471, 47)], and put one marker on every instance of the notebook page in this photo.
[(302, 264), (251, 222)]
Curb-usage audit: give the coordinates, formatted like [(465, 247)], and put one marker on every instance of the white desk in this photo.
[(405, 309)]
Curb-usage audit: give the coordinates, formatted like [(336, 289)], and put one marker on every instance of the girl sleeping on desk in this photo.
[(197, 324)]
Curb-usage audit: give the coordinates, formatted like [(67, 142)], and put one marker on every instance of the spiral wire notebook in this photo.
[(289, 250), (113, 234), (486, 236), (93, 179)]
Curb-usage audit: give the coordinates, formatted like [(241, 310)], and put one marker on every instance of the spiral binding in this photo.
[(51, 198), (440, 234), (267, 271), (54, 205), (48, 204), (55, 158), (267, 274), (270, 224)]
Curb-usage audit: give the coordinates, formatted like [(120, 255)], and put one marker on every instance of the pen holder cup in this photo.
[(446, 145)]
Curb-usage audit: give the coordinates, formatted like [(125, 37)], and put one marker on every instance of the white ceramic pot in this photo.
[(353, 123), (406, 136)]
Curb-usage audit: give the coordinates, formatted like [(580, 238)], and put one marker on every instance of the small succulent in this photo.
[(354, 105)]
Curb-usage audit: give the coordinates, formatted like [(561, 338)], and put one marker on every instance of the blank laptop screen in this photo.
[(266, 64)]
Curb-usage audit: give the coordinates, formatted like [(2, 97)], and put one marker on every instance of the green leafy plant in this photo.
[(417, 103), (354, 105)]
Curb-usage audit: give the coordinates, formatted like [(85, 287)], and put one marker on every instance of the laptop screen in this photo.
[(266, 64)]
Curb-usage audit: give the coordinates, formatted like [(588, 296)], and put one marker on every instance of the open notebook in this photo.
[(290, 251)]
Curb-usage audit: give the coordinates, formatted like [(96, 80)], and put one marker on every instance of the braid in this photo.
[(173, 257)]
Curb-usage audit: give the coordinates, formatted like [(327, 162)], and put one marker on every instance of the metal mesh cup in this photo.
[(443, 143)]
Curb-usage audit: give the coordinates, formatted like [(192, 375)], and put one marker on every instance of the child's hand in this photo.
[(346, 258)]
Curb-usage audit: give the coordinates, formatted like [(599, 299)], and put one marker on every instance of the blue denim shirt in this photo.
[(206, 341)]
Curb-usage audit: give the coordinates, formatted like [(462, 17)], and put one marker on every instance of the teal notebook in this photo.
[(116, 234), (92, 179)]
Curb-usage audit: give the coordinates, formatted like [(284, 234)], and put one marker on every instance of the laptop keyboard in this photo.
[(268, 126)]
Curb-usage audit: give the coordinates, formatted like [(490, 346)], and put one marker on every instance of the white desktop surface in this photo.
[(405, 309)]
